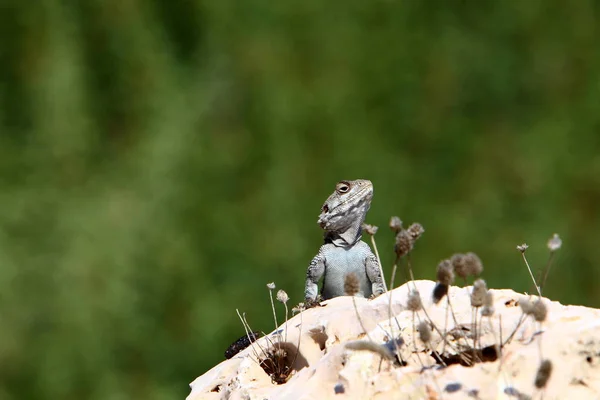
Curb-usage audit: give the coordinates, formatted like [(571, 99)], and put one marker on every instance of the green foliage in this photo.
[(161, 161)]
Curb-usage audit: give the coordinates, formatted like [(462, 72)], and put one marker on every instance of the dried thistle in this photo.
[(414, 301), (526, 306), (439, 291), (445, 273), (478, 293), (415, 231), (488, 305), (543, 374), (298, 309), (370, 229), (424, 332), (474, 265), (459, 265), (404, 243), (351, 284), (395, 224), (554, 243), (282, 296), (522, 247), (539, 311), (271, 286)]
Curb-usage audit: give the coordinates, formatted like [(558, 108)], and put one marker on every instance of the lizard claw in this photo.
[(309, 303)]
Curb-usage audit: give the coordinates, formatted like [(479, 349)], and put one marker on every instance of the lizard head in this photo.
[(347, 205)]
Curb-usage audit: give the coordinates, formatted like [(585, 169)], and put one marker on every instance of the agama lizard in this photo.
[(343, 251)]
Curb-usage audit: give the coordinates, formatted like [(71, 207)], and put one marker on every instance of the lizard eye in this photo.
[(343, 188)]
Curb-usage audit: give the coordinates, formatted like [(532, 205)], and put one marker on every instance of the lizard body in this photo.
[(344, 252)]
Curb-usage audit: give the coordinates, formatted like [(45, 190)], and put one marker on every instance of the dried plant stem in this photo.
[(248, 330), (448, 306), (409, 266), (394, 269), (273, 308), (438, 331), (546, 270), (385, 289), (414, 338), (360, 319), (286, 321), (531, 274), (474, 330), (521, 320), (392, 335)]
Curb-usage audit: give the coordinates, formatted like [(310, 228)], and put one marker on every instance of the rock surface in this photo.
[(326, 368)]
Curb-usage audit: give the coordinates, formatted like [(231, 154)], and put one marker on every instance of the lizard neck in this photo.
[(347, 238)]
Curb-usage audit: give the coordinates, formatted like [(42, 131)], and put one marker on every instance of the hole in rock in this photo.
[(469, 357), (511, 303), (319, 336), (280, 360)]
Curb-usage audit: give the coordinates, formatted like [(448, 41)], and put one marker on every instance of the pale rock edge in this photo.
[(570, 338)]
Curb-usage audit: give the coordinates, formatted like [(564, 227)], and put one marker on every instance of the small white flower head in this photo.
[(298, 309), (271, 286), (416, 230), (478, 293), (282, 296), (395, 224), (554, 243), (370, 229), (539, 311), (488, 305), (414, 301), (424, 332), (522, 247)]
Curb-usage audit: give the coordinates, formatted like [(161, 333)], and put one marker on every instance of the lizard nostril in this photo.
[(325, 208)]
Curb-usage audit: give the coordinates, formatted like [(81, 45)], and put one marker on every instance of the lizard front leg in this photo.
[(374, 275), (315, 271)]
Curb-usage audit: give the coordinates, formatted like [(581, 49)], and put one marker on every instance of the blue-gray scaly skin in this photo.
[(343, 251)]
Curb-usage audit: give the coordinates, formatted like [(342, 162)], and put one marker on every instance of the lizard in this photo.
[(343, 251)]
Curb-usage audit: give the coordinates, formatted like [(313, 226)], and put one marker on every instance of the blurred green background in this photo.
[(162, 160)]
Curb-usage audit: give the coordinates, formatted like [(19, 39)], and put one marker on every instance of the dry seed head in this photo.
[(415, 231), (488, 305), (351, 284), (271, 286), (478, 293), (395, 224), (474, 265), (445, 272), (414, 301), (543, 374), (370, 346), (282, 296), (554, 243), (522, 247), (404, 243), (424, 331), (459, 265), (526, 306), (539, 311), (370, 229), (298, 309), (439, 291)]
